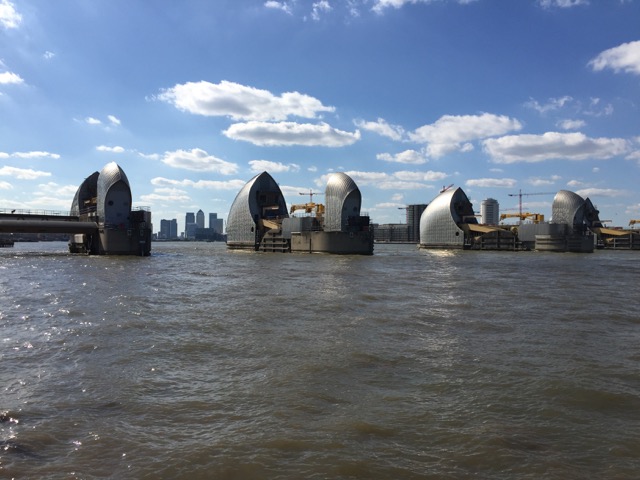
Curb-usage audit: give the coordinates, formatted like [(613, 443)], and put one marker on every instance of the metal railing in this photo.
[(56, 213), (22, 211)]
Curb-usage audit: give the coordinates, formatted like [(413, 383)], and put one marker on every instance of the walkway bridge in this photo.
[(43, 221)]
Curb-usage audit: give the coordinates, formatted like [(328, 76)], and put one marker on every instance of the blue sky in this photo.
[(193, 98)]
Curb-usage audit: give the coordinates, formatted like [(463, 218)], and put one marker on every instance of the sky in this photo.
[(194, 98)]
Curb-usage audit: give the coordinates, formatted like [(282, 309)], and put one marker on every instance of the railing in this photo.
[(21, 211), (56, 213)]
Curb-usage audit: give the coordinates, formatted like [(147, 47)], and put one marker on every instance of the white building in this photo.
[(490, 211)]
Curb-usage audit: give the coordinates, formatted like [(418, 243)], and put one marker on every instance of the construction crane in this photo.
[(406, 211), (444, 189), (520, 195), (311, 193), (633, 222), (535, 217), (308, 208)]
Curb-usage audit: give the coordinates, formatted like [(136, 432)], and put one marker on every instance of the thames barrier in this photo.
[(101, 220)]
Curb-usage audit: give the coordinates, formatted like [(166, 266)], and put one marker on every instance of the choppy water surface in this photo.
[(202, 363)]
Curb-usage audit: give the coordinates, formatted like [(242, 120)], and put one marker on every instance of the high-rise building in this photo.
[(414, 212), (165, 229), (490, 211), (215, 223), (200, 219), (190, 231), (168, 229), (190, 219)]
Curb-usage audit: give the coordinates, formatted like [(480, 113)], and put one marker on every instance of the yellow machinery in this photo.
[(535, 217), (633, 222), (309, 208)]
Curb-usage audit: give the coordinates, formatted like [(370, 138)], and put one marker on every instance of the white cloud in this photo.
[(5, 186), (551, 105), (9, 17), (284, 6), (379, 6), (161, 198), (320, 7), (392, 184), (31, 155), (165, 195), (597, 110), (600, 192), (563, 3), (361, 178), (634, 156), (170, 191), (381, 127), (48, 55), (574, 183), (113, 121), (429, 176), (22, 173), (492, 182), (258, 166), (7, 78), (408, 156), (568, 124), (290, 191), (149, 156), (291, 133), (389, 205), (104, 148), (200, 184), (240, 102), (354, 10), (198, 160), (539, 182), (625, 58), (403, 180), (51, 202), (36, 154), (452, 133), (53, 189), (552, 145)]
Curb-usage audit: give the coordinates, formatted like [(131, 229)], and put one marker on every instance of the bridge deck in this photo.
[(43, 221)]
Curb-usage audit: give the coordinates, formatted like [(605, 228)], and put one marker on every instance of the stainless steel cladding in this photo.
[(439, 221), (342, 200), (85, 199), (261, 198), (114, 196), (567, 208), (571, 209)]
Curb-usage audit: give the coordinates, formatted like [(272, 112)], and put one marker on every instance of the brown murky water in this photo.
[(202, 363)]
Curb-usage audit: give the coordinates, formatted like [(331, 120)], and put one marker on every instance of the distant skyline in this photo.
[(194, 98)]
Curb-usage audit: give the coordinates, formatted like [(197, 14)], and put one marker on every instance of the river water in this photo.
[(198, 362)]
